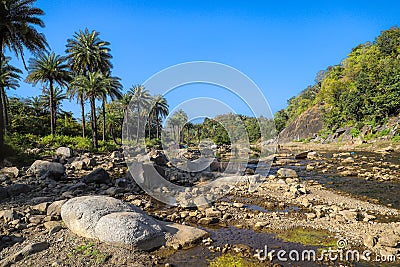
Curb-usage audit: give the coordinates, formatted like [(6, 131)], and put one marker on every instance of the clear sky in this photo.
[(280, 45)]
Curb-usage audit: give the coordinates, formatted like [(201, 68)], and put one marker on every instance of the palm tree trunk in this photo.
[(93, 121), (157, 125), (52, 125), (138, 123), (1, 121), (104, 118), (1, 105), (83, 117), (5, 111), (188, 133)]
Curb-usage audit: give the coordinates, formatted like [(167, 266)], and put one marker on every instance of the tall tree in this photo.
[(141, 99), (9, 79), (95, 86), (48, 69), (112, 90), (159, 111), (18, 19), (86, 53)]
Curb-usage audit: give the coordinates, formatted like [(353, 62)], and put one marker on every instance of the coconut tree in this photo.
[(112, 90), (86, 52), (58, 97), (18, 19), (94, 85), (49, 69), (159, 111), (9, 79), (140, 99)]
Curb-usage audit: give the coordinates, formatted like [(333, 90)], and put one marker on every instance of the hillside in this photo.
[(361, 92)]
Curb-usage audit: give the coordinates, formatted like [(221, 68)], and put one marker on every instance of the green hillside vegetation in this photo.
[(364, 89)]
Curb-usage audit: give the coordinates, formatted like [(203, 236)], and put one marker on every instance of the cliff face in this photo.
[(307, 125)]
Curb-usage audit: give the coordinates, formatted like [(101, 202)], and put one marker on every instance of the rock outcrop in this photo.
[(307, 125)]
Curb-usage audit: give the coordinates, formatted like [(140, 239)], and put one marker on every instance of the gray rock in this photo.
[(10, 171), (286, 173), (89, 162), (81, 214), (78, 165), (130, 228), (301, 155), (98, 176), (312, 155), (182, 236), (8, 215), (26, 251), (389, 239), (64, 151), (17, 189), (54, 209), (40, 168), (3, 193), (370, 241), (111, 220)]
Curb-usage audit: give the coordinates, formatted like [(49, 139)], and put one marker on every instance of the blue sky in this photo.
[(280, 45)]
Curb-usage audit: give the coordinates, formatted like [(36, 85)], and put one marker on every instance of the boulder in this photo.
[(65, 152), (54, 209), (158, 158), (312, 155), (111, 220), (81, 214), (40, 168), (3, 193), (182, 236), (10, 171), (130, 228), (17, 189), (301, 155), (286, 173), (98, 176), (23, 253)]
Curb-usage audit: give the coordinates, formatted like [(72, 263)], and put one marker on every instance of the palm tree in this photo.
[(86, 52), (159, 110), (58, 97), (113, 90), (17, 31), (9, 79), (141, 99), (80, 95), (49, 68), (94, 85)]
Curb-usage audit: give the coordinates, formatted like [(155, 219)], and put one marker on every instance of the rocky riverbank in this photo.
[(299, 192)]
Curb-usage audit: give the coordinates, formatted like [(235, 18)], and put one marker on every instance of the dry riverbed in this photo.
[(306, 201)]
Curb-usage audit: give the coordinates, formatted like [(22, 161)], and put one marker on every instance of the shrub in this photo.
[(396, 139), (384, 132), (355, 132)]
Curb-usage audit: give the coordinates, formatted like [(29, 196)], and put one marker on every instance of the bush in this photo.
[(153, 143), (396, 139), (355, 132), (384, 132)]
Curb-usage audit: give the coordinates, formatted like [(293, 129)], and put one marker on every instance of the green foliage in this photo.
[(355, 132), (307, 236), (281, 118), (230, 260), (363, 88), (89, 252), (384, 132), (153, 143), (396, 139)]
